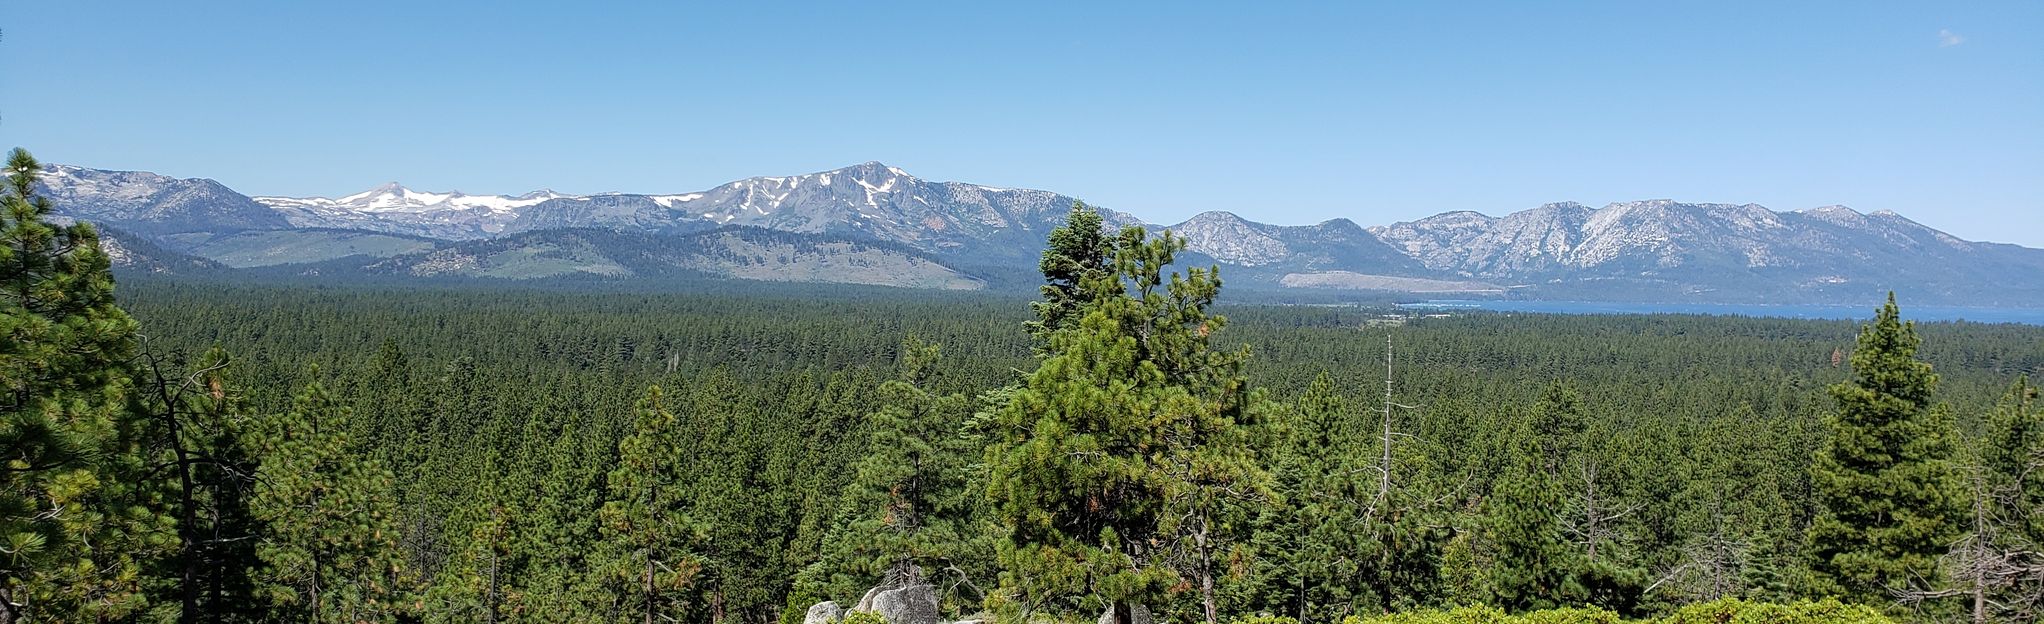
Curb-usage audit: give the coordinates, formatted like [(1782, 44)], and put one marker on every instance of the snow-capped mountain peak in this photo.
[(393, 207), (395, 197), (1654, 247)]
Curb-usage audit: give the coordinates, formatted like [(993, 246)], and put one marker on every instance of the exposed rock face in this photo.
[(825, 612), (1655, 235), (1231, 239), (134, 253), (866, 201), (1338, 244), (866, 602), (877, 225), (149, 204), (912, 604), (1138, 614)]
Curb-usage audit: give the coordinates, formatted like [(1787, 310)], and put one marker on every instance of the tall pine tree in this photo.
[(907, 515), (1999, 564), (201, 445), (648, 553), (1129, 417), (1073, 265), (329, 541), (1312, 547), (1889, 500), (1534, 567), (77, 521)]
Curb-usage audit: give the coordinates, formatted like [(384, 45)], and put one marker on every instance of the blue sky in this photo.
[(1290, 113)]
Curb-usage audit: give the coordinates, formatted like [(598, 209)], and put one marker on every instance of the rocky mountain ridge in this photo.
[(870, 199), (1642, 249)]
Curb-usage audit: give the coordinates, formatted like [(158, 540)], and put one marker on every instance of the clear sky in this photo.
[(1291, 113)]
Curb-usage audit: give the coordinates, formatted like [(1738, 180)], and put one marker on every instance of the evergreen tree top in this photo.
[(1884, 364)]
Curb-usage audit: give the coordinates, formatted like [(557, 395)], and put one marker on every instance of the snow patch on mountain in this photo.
[(1712, 246), (394, 197)]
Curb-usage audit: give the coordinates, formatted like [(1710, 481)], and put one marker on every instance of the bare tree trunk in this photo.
[(1590, 508), (717, 605), (649, 587), (1979, 602), (490, 593), (1981, 533), (317, 608), (1384, 483), (187, 527), (1302, 599), (1206, 573), (189, 559)]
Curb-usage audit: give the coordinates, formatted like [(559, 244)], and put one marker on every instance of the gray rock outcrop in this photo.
[(865, 602), (911, 604), (825, 612), (1138, 614)]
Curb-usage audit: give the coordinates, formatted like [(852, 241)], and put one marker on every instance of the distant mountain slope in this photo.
[(1644, 250), (392, 208), (144, 203), (252, 248), (1337, 245), (870, 200), (130, 253), (1669, 247), (737, 252)]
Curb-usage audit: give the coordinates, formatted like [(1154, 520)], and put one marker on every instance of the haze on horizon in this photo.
[(1284, 114)]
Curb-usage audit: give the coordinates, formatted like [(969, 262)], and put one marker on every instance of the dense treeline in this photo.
[(483, 455)]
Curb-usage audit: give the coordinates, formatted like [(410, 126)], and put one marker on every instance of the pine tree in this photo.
[(648, 554), (76, 526), (1077, 258), (1315, 541), (1534, 567), (1216, 484), (1889, 501), (2011, 455), (203, 441), (2000, 563), (1464, 573), (562, 518), (733, 487), (476, 586), (907, 513), (329, 544), (1734, 519), (1128, 419), (1558, 426)]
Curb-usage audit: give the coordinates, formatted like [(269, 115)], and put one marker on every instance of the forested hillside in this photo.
[(1118, 449)]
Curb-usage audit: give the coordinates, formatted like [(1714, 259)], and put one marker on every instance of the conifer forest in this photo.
[(1127, 446)]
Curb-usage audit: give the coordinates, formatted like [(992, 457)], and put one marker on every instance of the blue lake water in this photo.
[(2027, 316)]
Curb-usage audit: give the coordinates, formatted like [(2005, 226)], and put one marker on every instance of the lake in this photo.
[(2029, 316)]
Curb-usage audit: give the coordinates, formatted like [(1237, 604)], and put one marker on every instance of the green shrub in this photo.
[(864, 617), (1728, 611), (1459, 615), (1569, 616), (1265, 619)]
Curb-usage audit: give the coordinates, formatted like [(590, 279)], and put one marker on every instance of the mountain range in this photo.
[(875, 224)]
